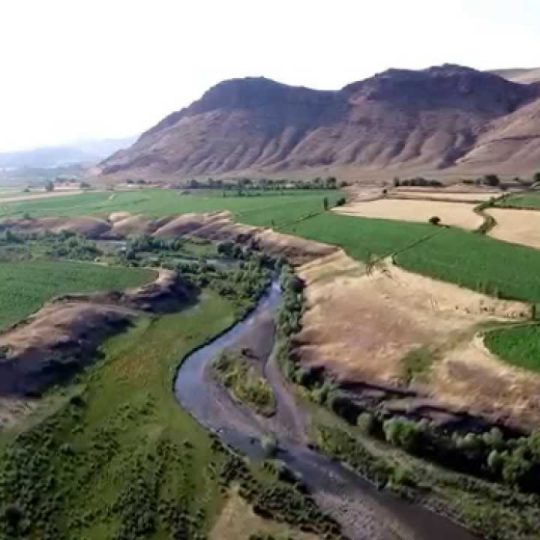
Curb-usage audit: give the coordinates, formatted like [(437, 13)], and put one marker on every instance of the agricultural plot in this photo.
[(24, 287), (523, 200), (518, 346), (442, 195), (361, 238), (516, 226), (259, 208), (479, 263), (470, 260), (455, 214)]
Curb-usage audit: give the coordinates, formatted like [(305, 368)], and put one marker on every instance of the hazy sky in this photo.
[(108, 68)]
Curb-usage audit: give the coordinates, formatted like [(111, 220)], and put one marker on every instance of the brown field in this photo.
[(443, 195), (360, 328), (43, 195), (516, 226), (455, 214)]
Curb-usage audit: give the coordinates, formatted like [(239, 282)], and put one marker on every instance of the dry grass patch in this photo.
[(471, 377), (362, 327), (455, 214), (516, 226), (444, 195)]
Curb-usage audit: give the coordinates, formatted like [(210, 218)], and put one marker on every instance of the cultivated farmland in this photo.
[(479, 263), (456, 214), (362, 238), (259, 208), (522, 200), (518, 346), (24, 287), (516, 226)]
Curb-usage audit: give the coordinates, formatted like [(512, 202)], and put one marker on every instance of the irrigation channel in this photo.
[(364, 512)]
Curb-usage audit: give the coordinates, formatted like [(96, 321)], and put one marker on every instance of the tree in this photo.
[(331, 182), (435, 220), (491, 180), (325, 204), (536, 177), (49, 186)]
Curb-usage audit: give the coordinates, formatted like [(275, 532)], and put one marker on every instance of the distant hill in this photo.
[(445, 120), (523, 76), (80, 152)]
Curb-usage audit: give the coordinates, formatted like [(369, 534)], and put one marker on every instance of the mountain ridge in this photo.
[(426, 120)]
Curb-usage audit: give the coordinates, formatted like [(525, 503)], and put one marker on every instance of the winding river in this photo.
[(364, 512)]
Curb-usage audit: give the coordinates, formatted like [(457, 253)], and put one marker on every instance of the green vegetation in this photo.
[(121, 459), (275, 494), (477, 262), (25, 287), (491, 510), (467, 259), (261, 209), (519, 346), (530, 200), (239, 375), (361, 238), (415, 365)]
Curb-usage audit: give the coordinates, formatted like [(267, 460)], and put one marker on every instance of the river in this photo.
[(364, 512)]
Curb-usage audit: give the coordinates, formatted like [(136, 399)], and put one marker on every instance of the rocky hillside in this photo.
[(440, 120)]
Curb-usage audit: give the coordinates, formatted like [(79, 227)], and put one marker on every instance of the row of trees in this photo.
[(264, 184)]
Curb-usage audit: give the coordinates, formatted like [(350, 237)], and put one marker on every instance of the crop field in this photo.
[(516, 226), (470, 260), (525, 200), (361, 237), (455, 214), (479, 263), (518, 346), (255, 209), (24, 287)]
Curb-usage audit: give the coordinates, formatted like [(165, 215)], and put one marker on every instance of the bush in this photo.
[(435, 220)]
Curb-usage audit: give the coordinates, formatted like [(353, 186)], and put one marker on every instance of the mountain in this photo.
[(429, 121), (80, 152)]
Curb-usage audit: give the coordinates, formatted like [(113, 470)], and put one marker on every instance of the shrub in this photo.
[(435, 220)]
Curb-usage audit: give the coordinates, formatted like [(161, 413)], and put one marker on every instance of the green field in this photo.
[(525, 200), (470, 260), (256, 209), (24, 287), (360, 237), (478, 262), (518, 346)]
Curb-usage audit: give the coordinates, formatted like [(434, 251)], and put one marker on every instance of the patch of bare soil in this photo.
[(119, 216), (456, 214), (238, 521), (359, 327), (128, 225), (516, 226)]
